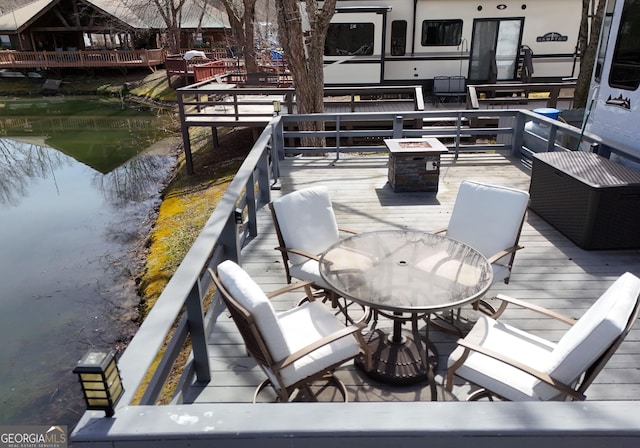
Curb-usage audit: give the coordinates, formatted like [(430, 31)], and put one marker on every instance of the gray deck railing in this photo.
[(218, 103), (140, 422)]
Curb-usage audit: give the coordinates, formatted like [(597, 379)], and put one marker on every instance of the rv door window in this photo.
[(349, 39), (438, 33), (398, 37), (625, 66)]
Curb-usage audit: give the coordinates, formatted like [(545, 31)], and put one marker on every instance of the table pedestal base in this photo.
[(398, 363)]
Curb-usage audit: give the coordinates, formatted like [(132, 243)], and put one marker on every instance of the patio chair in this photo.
[(512, 364), (294, 348), (488, 218), (306, 226)]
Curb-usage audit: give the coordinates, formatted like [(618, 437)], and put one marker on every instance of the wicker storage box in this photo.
[(592, 201)]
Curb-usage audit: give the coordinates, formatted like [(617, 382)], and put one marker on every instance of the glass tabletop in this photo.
[(406, 271)]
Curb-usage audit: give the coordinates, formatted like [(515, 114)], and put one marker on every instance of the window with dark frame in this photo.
[(398, 37), (349, 39), (625, 66), (440, 33)]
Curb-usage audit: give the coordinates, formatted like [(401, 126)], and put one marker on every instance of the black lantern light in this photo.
[(100, 380)]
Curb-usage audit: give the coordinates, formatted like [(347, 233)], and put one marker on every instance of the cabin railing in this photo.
[(147, 361), (209, 70), (20, 60)]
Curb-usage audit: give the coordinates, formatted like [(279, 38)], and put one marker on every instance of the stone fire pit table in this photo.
[(414, 163)]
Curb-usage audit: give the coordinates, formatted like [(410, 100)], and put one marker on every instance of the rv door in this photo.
[(353, 48), (495, 40)]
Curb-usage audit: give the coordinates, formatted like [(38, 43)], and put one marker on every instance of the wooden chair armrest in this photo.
[(304, 351), (289, 288), (298, 252), (560, 386), (506, 300), (502, 253)]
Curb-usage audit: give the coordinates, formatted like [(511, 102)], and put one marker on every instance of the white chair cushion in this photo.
[(308, 270), (487, 217), (247, 292), (307, 221), (500, 272), (565, 361), (305, 325), (497, 376), (596, 330)]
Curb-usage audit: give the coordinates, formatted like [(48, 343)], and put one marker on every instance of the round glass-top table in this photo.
[(399, 273)]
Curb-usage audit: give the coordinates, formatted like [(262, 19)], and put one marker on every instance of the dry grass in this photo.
[(188, 202)]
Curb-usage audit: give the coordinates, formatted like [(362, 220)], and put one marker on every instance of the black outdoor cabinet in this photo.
[(591, 200)]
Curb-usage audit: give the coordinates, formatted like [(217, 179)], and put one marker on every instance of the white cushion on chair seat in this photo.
[(309, 270), (500, 272), (289, 331), (498, 377), (305, 325), (307, 221)]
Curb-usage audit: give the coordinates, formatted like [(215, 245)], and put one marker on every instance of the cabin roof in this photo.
[(19, 19)]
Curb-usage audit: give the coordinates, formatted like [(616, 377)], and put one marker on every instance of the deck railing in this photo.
[(510, 95), (410, 424), (209, 102), (20, 60)]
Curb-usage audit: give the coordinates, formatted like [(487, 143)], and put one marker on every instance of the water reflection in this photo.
[(132, 181), (19, 164), (99, 133), (66, 240)]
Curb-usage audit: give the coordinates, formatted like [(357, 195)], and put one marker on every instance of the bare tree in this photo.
[(588, 46), (242, 20), (170, 11), (304, 49)]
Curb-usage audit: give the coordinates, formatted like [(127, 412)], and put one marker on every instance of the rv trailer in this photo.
[(613, 109), (414, 41)]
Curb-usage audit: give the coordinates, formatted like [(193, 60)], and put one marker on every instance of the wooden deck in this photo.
[(550, 271)]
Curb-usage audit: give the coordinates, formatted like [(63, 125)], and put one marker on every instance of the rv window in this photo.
[(625, 66), (349, 39), (398, 37), (441, 33)]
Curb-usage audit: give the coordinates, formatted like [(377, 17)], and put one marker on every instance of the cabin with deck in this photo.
[(51, 34)]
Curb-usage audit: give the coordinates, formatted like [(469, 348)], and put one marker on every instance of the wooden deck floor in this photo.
[(550, 271)]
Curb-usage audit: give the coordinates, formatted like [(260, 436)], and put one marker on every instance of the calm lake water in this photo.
[(78, 187)]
